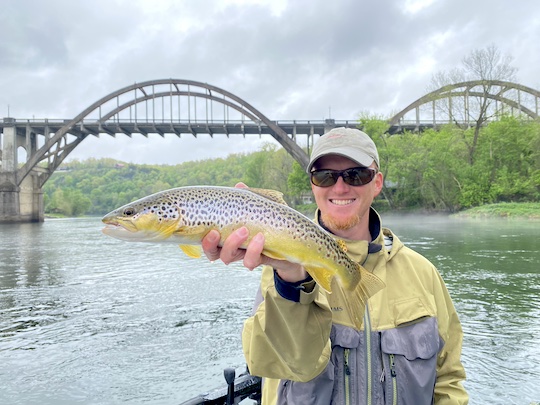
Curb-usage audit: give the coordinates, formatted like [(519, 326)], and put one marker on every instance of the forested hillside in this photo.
[(451, 168), (95, 187), (433, 170)]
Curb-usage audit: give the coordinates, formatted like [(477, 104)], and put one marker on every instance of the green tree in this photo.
[(441, 168), (403, 174), (508, 159), (484, 65), (377, 127), (69, 202), (298, 182), (264, 168)]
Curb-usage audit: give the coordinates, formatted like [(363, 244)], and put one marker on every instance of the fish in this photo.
[(186, 214)]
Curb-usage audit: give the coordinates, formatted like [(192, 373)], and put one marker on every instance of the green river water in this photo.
[(86, 319)]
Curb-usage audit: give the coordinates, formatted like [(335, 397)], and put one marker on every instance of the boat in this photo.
[(237, 389)]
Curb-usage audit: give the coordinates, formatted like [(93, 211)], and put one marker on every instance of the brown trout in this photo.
[(185, 215)]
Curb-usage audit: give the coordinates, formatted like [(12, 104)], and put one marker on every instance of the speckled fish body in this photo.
[(185, 215)]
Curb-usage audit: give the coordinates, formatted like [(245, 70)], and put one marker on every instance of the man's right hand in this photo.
[(251, 256)]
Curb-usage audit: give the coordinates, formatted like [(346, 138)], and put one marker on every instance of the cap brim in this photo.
[(363, 159)]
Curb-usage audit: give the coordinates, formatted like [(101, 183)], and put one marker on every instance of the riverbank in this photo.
[(527, 210), (503, 210)]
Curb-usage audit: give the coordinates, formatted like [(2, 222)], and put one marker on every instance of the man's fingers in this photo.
[(231, 250), (210, 245), (252, 258)]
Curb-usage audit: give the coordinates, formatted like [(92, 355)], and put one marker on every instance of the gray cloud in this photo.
[(302, 59)]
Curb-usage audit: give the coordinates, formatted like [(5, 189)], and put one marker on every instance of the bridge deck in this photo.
[(91, 127)]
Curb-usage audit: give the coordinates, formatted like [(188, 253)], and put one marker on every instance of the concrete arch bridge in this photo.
[(467, 104), (173, 106)]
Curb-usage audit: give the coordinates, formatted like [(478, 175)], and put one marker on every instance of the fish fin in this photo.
[(342, 245), (322, 276), (369, 284), (272, 195), (193, 251), (192, 230)]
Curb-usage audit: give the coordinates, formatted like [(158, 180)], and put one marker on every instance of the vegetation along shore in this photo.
[(503, 210), (492, 171)]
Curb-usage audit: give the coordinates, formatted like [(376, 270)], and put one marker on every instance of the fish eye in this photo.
[(129, 211)]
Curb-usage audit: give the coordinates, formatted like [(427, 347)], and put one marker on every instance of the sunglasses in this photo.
[(356, 176)]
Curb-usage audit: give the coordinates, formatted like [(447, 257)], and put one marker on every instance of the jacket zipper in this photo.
[(367, 331), (394, 380), (347, 378)]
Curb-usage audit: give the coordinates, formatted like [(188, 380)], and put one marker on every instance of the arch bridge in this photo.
[(172, 106), (467, 104), (159, 106)]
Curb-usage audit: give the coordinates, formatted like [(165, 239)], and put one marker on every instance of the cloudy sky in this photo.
[(290, 59)]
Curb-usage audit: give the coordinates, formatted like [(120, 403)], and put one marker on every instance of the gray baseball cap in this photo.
[(348, 142)]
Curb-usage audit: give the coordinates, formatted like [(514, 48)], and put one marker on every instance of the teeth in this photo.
[(342, 202)]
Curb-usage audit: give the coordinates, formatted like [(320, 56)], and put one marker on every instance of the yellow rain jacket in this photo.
[(405, 348)]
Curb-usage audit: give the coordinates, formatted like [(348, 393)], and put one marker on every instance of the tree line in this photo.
[(437, 169), (431, 170), (97, 186)]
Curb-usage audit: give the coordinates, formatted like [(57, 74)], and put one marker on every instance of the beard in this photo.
[(340, 224)]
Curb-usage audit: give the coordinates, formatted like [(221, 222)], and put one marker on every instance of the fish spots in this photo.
[(165, 211), (217, 207)]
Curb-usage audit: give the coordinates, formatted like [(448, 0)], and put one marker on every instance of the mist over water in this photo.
[(86, 319), (492, 270)]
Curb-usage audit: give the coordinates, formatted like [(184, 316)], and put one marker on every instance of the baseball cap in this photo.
[(347, 142)]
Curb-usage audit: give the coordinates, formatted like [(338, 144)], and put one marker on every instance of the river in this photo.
[(86, 319)]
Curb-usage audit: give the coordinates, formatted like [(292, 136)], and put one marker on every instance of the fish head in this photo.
[(149, 219)]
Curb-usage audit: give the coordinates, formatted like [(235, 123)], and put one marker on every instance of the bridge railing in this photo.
[(59, 121), (145, 126)]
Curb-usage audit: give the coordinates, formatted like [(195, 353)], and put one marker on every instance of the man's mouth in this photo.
[(341, 202)]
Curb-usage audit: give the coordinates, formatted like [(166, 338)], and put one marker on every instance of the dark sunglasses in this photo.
[(356, 176)]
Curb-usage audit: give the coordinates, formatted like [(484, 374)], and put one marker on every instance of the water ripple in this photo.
[(85, 319)]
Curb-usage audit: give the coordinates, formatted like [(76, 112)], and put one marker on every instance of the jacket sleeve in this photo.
[(285, 339), (450, 372)]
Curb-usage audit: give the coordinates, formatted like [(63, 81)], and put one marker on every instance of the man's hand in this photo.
[(252, 256)]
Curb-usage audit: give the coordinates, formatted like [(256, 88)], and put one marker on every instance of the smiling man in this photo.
[(312, 347)]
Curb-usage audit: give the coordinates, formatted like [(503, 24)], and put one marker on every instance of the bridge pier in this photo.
[(9, 198), (18, 203)]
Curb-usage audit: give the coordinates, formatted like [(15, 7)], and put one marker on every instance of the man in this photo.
[(319, 348)]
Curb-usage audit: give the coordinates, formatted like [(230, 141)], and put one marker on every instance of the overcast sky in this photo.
[(296, 59)]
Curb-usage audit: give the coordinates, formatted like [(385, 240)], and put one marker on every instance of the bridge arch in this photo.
[(181, 96), (492, 95)]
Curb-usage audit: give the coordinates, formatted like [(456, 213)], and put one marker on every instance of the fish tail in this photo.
[(369, 284)]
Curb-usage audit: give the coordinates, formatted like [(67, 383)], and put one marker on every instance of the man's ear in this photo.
[(379, 182)]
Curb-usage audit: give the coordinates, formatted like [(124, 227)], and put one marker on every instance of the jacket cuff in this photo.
[(291, 291)]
